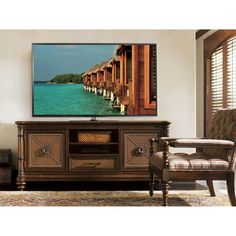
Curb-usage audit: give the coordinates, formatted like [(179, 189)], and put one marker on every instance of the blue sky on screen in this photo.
[(52, 60)]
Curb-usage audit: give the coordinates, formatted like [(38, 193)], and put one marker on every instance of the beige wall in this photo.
[(176, 74)]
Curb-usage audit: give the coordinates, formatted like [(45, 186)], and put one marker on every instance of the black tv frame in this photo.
[(93, 117)]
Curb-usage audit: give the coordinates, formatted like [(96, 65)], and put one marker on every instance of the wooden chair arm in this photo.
[(196, 143)]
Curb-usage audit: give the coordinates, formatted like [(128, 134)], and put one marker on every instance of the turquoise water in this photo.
[(69, 99)]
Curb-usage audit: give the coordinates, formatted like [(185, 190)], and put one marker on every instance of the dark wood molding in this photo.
[(200, 33), (215, 40)]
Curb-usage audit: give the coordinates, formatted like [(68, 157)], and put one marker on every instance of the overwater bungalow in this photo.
[(125, 54), (115, 88), (89, 79), (128, 79), (100, 78), (138, 79), (107, 67)]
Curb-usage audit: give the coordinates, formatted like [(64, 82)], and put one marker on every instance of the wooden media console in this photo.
[(85, 150)]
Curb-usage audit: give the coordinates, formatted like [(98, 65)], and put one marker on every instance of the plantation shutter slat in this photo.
[(223, 76), (217, 79), (231, 72)]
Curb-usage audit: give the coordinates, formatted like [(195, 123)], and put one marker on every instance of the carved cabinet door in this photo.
[(136, 149), (45, 151)]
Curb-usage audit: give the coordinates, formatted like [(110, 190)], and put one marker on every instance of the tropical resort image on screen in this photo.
[(94, 79)]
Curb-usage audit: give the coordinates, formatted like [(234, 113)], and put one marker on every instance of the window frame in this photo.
[(211, 43)]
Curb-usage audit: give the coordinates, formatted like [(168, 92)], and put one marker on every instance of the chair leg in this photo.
[(151, 184), (231, 188), (165, 187), (211, 187)]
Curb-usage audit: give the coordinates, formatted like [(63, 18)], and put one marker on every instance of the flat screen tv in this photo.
[(94, 79)]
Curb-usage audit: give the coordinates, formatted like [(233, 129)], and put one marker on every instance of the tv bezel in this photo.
[(93, 116)]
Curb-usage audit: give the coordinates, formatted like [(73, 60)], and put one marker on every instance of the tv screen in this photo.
[(94, 79)]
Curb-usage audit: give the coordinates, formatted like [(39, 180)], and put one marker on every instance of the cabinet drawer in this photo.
[(92, 164)]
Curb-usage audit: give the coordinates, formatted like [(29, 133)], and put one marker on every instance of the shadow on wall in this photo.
[(8, 139)]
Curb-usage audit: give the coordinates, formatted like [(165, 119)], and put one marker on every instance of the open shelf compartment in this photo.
[(74, 134), (90, 141)]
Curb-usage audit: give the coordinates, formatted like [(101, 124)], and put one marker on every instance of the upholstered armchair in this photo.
[(214, 158)]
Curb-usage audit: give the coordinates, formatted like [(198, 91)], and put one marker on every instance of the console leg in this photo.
[(20, 183)]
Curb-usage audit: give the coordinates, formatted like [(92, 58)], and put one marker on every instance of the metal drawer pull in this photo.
[(46, 149), (142, 149), (139, 151), (90, 164)]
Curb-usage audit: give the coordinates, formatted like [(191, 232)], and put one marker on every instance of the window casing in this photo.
[(220, 73)]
